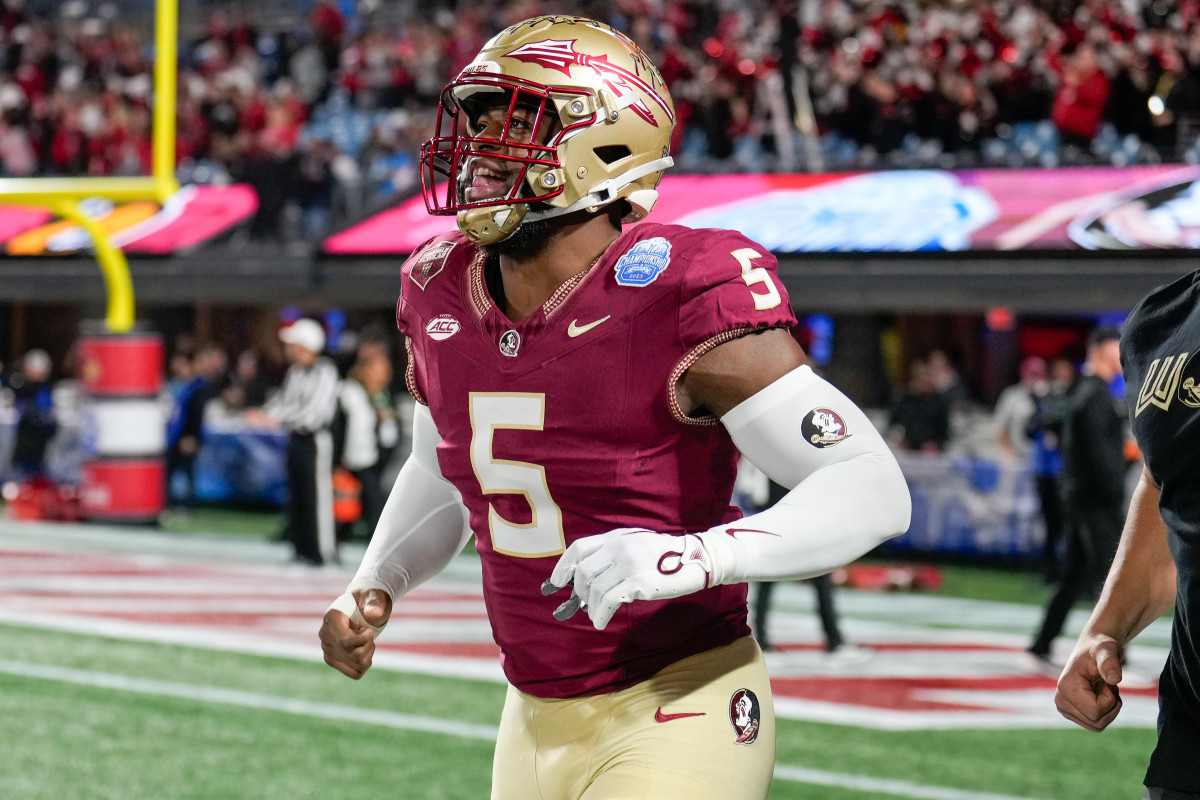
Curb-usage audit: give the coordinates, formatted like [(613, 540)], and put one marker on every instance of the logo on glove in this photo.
[(693, 552)]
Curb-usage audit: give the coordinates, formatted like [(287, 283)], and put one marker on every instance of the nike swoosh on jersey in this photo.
[(574, 330), (659, 716)]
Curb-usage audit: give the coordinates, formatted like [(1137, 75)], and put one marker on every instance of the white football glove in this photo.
[(624, 565)]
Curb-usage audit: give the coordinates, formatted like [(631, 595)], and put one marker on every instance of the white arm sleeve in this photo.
[(423, 525), (847, 494)]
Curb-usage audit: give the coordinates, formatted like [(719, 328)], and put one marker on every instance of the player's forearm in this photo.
[(834, 516), (423, 524), (421, 529), (847, 495), (1141, 585)]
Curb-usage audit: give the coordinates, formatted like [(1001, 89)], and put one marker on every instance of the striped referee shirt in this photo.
[(309, 397)]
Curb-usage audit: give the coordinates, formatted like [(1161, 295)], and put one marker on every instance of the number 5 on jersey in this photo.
[(492, 411), (752, 275)]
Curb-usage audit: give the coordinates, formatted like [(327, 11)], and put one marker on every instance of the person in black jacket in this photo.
[(34, 403), (1092, 482), (1044, 430), (1156, 566), (212, 373)]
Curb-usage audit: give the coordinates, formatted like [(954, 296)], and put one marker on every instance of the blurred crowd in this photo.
[(325, 117), (208, 395), (937, 409), (1007, 82)]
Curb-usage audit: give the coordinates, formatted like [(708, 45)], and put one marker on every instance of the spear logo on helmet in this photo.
[(560, 55)]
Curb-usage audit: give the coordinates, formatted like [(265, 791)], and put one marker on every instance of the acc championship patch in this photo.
[(824, 427), (644, 262), (430, 263), (745, 716)]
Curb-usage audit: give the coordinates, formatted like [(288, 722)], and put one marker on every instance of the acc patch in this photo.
[(824, 427), (442, 327), (510, 343), (745, 716), (644, 262), (430, 263)]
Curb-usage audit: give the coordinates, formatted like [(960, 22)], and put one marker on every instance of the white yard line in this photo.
[(935, 611), (233, 697), (882, 786), (253, 643), (411, 722)]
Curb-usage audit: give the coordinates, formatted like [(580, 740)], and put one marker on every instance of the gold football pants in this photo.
[(703, 728)]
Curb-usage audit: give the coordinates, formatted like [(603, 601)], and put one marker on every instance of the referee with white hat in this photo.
[(306, 405)]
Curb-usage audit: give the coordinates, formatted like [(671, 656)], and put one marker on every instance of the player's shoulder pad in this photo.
[(444, 254), (1170, 302), (680, 254), (713, 256)]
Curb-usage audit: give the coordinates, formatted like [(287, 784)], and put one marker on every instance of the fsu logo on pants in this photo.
[(744, 716)]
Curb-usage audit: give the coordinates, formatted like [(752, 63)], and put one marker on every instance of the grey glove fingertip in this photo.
[(549, 588), (568, 609)]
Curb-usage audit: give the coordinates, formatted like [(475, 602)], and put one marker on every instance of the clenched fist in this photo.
[(348, 640)]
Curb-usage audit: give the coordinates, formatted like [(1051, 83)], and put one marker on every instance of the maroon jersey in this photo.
[(567, 425)]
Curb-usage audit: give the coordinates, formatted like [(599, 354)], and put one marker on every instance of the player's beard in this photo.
[(526, 242), (531, 237)]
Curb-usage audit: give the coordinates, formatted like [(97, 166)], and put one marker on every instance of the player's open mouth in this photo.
[(488, 182)]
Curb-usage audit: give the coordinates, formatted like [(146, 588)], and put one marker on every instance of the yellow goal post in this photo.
[(62, 195)]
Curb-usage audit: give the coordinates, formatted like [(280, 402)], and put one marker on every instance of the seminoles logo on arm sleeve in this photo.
[(824, 427), (744, 716)]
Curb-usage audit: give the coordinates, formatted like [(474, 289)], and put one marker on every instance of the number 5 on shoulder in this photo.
[(752, 275)]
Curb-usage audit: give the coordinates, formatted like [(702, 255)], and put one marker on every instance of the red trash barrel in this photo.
[(124, 470)]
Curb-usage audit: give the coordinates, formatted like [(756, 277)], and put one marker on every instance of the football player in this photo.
[(584, 387)]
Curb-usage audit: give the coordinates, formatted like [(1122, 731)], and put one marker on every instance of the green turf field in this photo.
[(170, 722)]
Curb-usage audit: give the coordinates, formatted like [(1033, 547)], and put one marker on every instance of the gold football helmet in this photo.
[(562, 112)]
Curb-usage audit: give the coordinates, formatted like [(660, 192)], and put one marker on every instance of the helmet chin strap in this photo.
[(482, 227), (603, 193)]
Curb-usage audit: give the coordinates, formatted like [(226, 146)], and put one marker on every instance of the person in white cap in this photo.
[(305, 406)]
